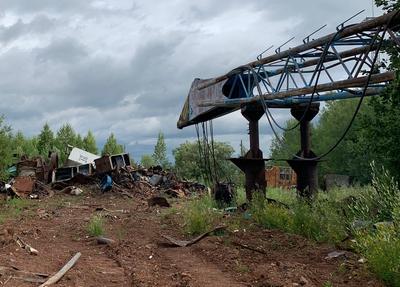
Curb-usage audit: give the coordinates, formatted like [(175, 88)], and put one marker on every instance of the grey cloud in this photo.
[(67, 50), (40, 24), (42, 5), (100, 82)]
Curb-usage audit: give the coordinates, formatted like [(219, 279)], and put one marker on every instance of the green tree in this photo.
[(79, 141), (381, 129), (89, 143), (65, 137), (147, 161), (111, 146), (351, 156), (160, 152), (24, 146), (6, 157), (45, 140), (288, 145), (191, 165), (19, 143), (388, 5)]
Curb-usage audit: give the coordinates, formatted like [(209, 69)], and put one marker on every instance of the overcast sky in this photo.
[(126, 66)]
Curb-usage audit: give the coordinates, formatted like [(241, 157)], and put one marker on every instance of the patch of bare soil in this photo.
[(57, 228)]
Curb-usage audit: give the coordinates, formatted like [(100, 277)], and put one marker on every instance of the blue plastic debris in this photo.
[(106, 183)]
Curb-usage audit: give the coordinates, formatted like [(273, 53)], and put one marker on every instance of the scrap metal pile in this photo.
[(34, 178)]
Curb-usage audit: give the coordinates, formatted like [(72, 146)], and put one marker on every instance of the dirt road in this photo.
[(57, 228)]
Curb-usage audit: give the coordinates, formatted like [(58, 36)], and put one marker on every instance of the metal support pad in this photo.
[(306, 169), (253, 164)]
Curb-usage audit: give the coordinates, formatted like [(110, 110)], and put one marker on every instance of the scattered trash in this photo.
[(109, 163), (104, 240), (79, 156), (24, 185), (362, 260), (16, 273), (155, 179), (335, 254), (251, 248), (184, 243), (69, 172), (36, 179), (111, 211), (72, 190), (230, 209), (106, 183)]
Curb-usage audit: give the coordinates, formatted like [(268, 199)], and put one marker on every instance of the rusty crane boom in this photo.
[(340, 65)]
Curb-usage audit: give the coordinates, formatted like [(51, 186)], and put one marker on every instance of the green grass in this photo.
[(320, 221), (200, 215), (95, 226), (381, 247), (270, 215), (287, 196), (382, 251), (240, 196), (13, 208), (328, 284)]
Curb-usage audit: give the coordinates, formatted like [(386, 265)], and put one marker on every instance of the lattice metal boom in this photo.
[(328, 68)]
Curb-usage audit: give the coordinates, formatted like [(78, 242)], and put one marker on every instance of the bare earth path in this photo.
[(57, 228)]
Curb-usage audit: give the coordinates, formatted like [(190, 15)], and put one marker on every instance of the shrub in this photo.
[(287, 196), (381, 247), (240, 196), (200, 214), (382, 251), (320, 221), (270, 215), (96, 226), (379, 202)]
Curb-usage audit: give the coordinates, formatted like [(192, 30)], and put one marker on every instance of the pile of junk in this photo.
[(36, 178)]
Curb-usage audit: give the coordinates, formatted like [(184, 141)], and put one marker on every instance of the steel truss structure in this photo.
[(327, 68), (344, 64)]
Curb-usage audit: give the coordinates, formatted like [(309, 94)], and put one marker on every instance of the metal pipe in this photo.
[(338, 85), (329, 58)]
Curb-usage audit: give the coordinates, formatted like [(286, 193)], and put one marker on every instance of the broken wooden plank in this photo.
[(16, 273), (245, 246), (184, 243), (56, 277), (26, 246)]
